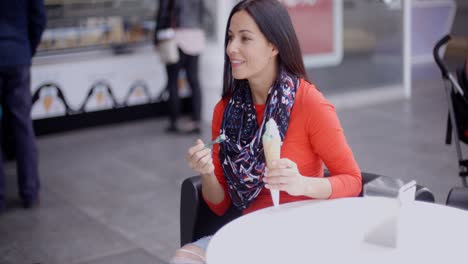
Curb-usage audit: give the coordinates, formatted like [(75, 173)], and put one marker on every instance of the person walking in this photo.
[(184, 18), (22, 23)]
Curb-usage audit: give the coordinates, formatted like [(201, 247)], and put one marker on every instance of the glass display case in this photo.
[(77, 79), (76, 25)]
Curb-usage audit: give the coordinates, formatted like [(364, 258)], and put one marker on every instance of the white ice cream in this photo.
[(272, 148)]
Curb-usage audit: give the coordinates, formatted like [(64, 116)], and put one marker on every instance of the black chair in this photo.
[(458, 197), (197, 220)]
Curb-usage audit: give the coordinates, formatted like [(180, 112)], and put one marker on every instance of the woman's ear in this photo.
[(274, 49)]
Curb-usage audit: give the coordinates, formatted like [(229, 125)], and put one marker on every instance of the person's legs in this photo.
[(17, 93), (193, 253), (191, 68), (2, 176), (174, 101)]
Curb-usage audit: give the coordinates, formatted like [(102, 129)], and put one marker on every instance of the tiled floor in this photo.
[(111, 194)]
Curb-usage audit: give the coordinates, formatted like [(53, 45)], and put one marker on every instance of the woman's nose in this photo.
[(231, 47)]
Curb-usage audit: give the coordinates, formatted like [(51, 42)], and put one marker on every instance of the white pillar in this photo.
[(407, 47), (212, 62)]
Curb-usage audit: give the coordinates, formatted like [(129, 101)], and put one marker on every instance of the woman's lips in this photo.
[(236, 63)]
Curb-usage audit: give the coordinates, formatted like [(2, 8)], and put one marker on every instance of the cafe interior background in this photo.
[(111, 176)]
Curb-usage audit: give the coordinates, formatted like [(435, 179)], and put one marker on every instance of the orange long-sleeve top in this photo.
[(314, 137)]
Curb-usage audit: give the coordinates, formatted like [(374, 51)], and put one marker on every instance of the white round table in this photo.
[(336, 231)]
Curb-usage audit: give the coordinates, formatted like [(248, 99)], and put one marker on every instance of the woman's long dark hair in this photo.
[(274, 22)]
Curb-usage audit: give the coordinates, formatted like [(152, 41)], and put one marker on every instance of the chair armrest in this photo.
[(196, 218), (458, 197), (424, 194), (190, 196)]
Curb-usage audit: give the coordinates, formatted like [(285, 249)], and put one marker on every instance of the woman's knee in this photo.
[(189, 254)]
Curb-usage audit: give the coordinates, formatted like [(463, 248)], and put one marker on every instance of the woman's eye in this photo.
[(245, 38)]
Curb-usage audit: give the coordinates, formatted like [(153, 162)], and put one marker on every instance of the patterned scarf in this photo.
[(242, 156)]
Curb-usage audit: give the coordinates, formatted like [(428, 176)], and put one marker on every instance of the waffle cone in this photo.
[(272, 150)]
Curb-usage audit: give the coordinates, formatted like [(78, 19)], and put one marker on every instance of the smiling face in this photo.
[(251, 55)]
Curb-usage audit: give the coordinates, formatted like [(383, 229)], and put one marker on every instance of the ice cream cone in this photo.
[(272, 151), (272, 148)]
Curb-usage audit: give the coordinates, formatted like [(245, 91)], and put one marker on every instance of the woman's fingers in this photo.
[(205, 155), (276, 180), (206, 165), (280, 172), (199, 145), (199, 158), (283, 175), (283, 163), (197, 151), (279, 187)]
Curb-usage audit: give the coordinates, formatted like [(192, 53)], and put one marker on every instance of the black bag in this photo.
[(460, 107)]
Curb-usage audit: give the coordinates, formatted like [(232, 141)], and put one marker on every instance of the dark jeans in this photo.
[(190, 64), (15, 95)]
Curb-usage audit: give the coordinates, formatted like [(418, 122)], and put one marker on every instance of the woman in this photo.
[(185, 17), (264, 77)]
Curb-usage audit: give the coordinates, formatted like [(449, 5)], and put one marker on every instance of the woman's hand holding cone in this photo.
[(283, 175)]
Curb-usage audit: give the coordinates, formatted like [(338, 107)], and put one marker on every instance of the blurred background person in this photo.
[(184, 17), (22, 23)]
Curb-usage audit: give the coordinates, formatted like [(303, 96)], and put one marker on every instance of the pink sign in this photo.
[(313, 21), (318, 26)]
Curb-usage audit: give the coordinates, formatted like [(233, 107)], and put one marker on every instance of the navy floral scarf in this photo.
[(242, 156)]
